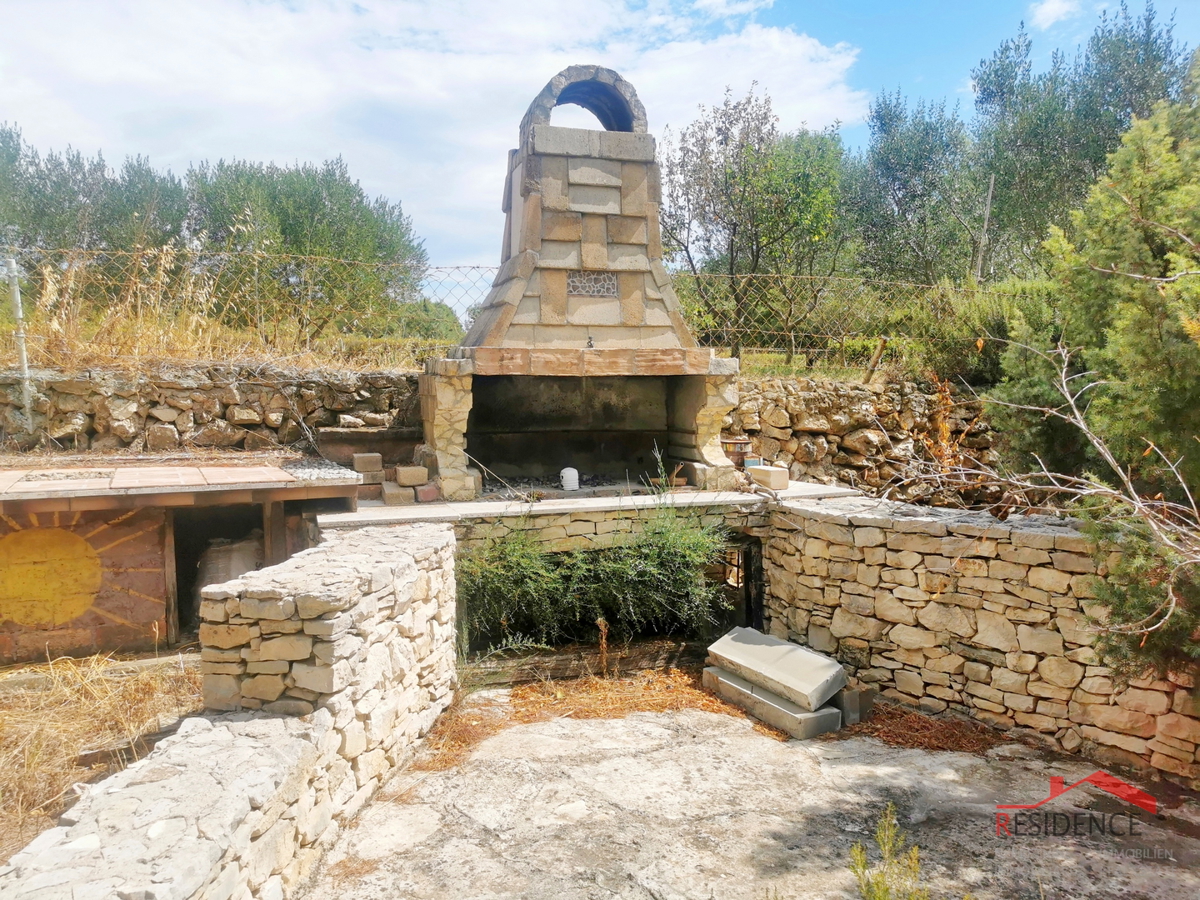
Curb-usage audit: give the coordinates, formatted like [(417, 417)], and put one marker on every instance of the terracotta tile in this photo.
[(215, 475), (67, 486), (157, 476), (11, 477)]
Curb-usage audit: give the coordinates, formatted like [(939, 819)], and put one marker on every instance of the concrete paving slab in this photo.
[(769, 707), (699, 806), (803, 676)]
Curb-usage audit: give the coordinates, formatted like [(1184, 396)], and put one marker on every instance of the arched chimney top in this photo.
[(602, 92)]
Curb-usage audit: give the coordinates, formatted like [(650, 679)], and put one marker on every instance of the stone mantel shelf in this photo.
[(580, 363)]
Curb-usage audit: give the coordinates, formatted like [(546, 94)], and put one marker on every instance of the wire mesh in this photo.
[(92, 307)]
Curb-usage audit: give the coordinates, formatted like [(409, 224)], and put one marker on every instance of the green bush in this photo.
[(1134, 597), (512, 591)]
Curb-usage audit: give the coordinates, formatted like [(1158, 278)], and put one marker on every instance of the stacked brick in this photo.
[(949, 610), (395, 485)]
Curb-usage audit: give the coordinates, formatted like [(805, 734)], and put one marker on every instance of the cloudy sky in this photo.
[(423, 97)]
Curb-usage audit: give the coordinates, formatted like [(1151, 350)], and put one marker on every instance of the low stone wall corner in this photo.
[(946, 609)]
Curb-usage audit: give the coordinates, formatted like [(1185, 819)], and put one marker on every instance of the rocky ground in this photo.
[(699, 805)]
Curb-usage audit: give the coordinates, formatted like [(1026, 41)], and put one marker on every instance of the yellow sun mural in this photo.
[(98, 579), (48, 576)]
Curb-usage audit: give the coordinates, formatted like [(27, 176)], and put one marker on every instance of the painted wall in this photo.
[(84, 582)]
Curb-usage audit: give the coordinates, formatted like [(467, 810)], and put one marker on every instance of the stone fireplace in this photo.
[(579, 355)]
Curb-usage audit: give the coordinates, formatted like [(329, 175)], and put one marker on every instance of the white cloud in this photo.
[(421, 97), (1045, 13), (730, 8)]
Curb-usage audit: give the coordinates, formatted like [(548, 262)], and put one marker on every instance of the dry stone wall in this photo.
[(601, 528), (866, 436), (956, 610), (225, 407), (357, 635)]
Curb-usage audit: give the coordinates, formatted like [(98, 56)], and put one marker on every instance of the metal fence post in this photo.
[(14, 287)]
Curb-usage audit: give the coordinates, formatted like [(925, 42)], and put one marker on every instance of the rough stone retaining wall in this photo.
[(864, 436), (359, 634), (255, 409), (956, 610)]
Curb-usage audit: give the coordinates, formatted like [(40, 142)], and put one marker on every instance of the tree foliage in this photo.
[(300, 248), (1045, 136), (1128, 291)]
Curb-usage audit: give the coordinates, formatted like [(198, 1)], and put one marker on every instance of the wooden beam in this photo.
[(172, 585), (274, 534)]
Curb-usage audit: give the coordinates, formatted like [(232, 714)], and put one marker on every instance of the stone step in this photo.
[(803, 676), (769, 707)]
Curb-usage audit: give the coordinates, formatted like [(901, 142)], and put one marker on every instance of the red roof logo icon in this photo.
[(1110, 783)]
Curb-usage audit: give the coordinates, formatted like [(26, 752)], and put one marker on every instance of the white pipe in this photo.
[(14, 288)]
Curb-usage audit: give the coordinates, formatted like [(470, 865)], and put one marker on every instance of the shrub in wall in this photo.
[(512, 591)]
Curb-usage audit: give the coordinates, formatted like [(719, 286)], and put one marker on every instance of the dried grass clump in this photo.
[(75, 706), (351, 869), (467, 723), (669, 690), (907, 728)]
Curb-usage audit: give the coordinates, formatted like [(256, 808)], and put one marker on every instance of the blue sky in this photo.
[(927, 48), (423, 97)]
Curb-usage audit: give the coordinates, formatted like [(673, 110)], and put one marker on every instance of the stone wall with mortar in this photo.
[(225, 407), (356, 634), (957, 610), (865, 436)]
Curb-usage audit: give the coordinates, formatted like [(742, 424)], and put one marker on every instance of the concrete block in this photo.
[(626, 145), (372, 477), (770, 707), (599, 172), (397, 495), (368, 462), (773, 477), (555, 141), (586, 198), (411, 476), (855, 704), (796, 673)]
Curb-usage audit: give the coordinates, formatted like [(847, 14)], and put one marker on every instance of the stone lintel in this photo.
[(582, 362)]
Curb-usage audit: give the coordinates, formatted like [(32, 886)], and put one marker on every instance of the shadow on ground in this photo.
[(699, 805)]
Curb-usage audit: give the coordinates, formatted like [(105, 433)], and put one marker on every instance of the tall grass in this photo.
[(68, 707)]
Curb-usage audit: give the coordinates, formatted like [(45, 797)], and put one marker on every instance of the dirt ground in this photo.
[(698, 804)]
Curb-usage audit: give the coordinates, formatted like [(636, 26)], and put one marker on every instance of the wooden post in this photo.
[(875, 358), (274, 534), (172, 584)]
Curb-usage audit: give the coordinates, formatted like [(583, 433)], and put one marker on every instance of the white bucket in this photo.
[(570, 479)]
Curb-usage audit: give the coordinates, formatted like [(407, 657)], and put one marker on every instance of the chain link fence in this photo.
[(92, 308)]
